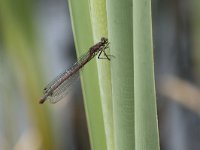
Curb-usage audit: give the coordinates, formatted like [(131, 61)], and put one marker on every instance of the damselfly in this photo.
[(58, 88)]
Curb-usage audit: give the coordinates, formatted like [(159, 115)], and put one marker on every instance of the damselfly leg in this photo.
[(102, 50)]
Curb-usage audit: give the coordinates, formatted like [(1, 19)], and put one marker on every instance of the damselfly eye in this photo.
[(104, 40)]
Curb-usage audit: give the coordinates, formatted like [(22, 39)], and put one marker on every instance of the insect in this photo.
[(57, 88)]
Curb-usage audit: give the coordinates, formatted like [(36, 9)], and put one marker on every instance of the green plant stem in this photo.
[(146, 129), (82, 30), (120, 28), (99, 26)]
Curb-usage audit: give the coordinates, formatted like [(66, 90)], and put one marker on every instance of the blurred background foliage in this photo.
[(36, 44), (25, 26)]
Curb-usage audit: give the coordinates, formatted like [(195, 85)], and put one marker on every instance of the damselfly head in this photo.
[(104, 40)]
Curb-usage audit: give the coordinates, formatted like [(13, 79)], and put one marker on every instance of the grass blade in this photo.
[(146, 129), (99, 26), (120, 31), (83, 40)]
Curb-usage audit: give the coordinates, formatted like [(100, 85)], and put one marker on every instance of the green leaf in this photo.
[(99, 26), (120, 29), (133, 89), (146, 129), (81, 24)]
